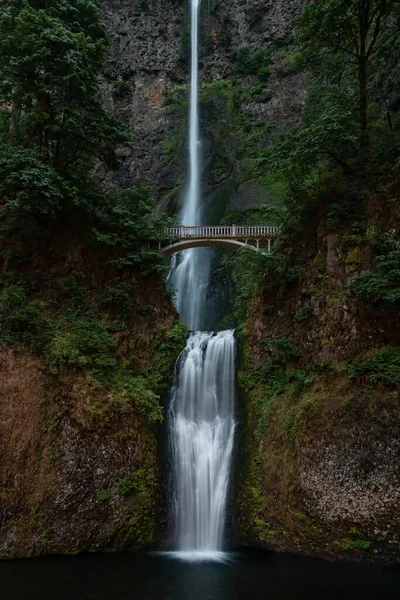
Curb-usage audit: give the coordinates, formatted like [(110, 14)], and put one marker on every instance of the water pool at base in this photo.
[(158, 577)]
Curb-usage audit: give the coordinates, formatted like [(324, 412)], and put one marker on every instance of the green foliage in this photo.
[(143, 389), (346, 129), (347, 209), (303, 314), (126, 222), (126, 485), (278, 374), (117, 294), (249, 62), (339, 25), (27, 184), (327, 135), (135, 483), (128, 389), (381, 285), (83, 343), (22, 319), (271, 381), (383, 367), (281, 349), (52, 121), (172, 340), (359, 544), (103, 496), (359, 30)]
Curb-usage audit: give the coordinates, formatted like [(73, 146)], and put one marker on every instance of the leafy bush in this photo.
[(126, 485), (27, 184), (303, 314), (126, 222), (171, 340), (282, 349), (136, 483), (383, 367), (250, 62), (85, 343), (21, 319), (359, 544), (138, 391), (117, 294), (103, 496), (381, 285)]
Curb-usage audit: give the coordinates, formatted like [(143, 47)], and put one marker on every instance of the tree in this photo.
[(51, 55), (353, 29)]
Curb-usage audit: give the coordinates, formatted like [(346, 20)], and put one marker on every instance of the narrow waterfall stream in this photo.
[(201, 420), (190, 269)]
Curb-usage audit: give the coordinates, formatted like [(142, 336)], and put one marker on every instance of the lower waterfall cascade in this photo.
[(201, 425)]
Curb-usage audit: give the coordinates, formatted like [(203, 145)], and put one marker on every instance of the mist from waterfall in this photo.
[(201, 417)]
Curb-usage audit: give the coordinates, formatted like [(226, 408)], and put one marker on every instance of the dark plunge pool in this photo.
[(156, 577)]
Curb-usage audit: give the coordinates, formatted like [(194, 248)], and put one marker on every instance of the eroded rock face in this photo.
[(358, 481)]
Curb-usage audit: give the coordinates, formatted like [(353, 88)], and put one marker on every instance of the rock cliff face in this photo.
[(146, 80), (66, 456)]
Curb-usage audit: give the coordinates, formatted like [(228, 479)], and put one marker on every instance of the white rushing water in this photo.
[(201, 419), (202, 428), (190, 269)]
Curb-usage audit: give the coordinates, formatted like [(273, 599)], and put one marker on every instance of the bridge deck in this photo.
[(226, 236), (237, 232)]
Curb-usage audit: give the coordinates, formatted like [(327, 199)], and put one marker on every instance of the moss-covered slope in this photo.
[(320, 376), (86, 357)]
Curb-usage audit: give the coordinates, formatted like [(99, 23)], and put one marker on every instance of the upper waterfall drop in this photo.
[(190, 209), (190, 269)]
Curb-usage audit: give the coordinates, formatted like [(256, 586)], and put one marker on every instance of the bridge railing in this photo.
[(225, 231)]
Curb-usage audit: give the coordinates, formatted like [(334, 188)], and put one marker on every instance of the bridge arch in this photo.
[(200, 243)]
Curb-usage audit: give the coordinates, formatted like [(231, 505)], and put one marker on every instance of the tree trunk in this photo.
[(362, 80)]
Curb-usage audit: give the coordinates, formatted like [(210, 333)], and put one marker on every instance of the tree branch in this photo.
[(342, 163), (375, 36)]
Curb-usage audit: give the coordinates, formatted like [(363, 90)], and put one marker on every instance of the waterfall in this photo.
[(190, 269), (202, 426), (201, 417)]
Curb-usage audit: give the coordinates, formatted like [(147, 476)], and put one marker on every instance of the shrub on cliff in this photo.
[(381, 367), (381, 284)]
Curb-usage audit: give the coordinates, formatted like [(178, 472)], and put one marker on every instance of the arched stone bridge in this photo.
[(226, 236)]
